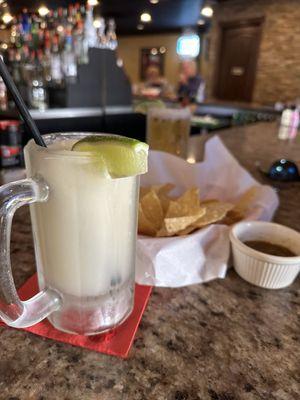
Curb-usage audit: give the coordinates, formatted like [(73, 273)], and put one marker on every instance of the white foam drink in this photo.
[(85, 236)]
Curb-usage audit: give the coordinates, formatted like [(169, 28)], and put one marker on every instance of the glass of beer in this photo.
[(169, 130)]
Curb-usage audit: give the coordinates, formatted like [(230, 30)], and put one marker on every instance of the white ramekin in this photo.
[(267, 271)]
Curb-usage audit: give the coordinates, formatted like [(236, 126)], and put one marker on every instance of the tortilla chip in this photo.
[(209, 201), (187, 230), (152, 209), (163, 189), (145, 227), (177, 224), (243, 205), (163, 232), (160, 190), (232, 217), (214, 212), (187, 204), (144, 191), (164, 201)]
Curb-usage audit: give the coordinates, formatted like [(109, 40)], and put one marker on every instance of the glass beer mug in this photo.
[(169, 130), (84, 229)]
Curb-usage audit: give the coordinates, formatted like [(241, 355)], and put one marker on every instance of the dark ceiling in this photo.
[(167, 15)]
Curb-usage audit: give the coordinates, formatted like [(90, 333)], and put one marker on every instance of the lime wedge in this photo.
[(119, 155)]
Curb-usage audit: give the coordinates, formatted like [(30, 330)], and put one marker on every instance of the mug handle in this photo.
[(13, 311)]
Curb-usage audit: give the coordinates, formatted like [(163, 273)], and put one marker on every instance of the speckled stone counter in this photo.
[(224, 340)]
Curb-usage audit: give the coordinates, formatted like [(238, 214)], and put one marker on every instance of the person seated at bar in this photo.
[(154, 85), (154, 78), (191, 86)]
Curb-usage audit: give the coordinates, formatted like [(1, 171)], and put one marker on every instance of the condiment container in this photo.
[(261, 269)]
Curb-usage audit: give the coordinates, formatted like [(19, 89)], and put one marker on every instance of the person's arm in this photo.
[(201, 92)]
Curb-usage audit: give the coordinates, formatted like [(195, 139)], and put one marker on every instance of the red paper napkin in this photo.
[(116, 342)]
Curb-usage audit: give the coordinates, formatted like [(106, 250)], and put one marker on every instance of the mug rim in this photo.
[(47, 153), (62, 152)]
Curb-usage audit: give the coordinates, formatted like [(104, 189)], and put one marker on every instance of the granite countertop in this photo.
[(223, 340)]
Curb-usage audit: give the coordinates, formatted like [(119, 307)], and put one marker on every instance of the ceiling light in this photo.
[(162, 49), (140, 27), (97, 23), (93, 2), (207, 11), (154, 51), (201, 22), (4, 46), (7, 18), (146, 17), (154, 1), (43, 11)]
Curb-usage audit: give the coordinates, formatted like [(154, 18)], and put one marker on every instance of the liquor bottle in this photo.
[(10, 59), (50, 20), (90, 33), (37, 93), (65, 17), (3, 96), (35, 33), (16, 38), (294, 122), (83, 11), (25, 63), (56, 65), (14, 61), (60, 26), (41, 37), (71, 17), (69, 63), (101, 40), (29, 41), (285, 123), (80, 44), (55, 20), (28, 35), (60, 12), (13, 35), (25, 21), (25, 53), (111, 36), (20, 26), (46, 60)]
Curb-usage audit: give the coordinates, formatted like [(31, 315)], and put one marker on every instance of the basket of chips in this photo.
[(185, 214)]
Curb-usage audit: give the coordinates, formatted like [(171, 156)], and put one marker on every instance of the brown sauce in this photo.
[(270, 248)]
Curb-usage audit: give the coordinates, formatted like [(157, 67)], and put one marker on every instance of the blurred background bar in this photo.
[(101, 65)]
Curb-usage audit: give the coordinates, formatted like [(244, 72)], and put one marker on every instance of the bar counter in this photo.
[(58, 113), (223, 340)]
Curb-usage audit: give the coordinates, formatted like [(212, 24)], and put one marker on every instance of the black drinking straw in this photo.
[(23, 110)]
